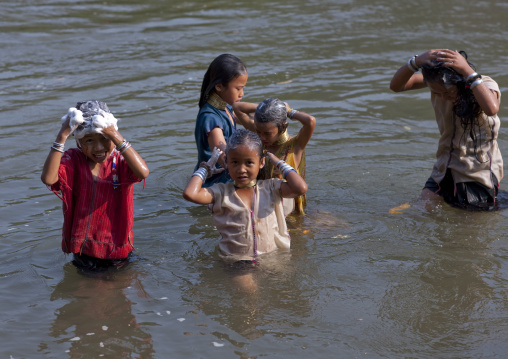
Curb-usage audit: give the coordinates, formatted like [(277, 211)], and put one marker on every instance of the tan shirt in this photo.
[(456, 150), (246, 234)]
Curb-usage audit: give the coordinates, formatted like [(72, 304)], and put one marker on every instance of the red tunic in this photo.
[(98, 218)]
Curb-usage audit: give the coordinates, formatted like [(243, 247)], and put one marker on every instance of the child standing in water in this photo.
[(469, 165), (95, 182), (222, 86), (247, 212), (269, 121)]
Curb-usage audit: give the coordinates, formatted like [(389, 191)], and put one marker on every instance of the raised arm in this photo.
[(216, 140), (49, 174), (244, 112), (133, 159), (295, 185), (194, 191), (308, 124), (407, 79), (487, 99)]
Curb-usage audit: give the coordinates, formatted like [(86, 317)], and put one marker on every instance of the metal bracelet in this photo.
[(476, 83), (280, 164), (126, 147), (291, 170), (470, 77), (57, 149), (202, 173), (122, 145), (410, 65)]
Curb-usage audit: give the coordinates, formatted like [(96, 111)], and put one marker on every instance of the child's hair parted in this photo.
[(221, 70), (272, 110), (247, 138)]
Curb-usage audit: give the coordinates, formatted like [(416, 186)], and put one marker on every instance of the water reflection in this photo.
[(449, 289), (97, 318), (253, 301)]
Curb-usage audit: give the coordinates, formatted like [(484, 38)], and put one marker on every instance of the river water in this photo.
[(359, 282)]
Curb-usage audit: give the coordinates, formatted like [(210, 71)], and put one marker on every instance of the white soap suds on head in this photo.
[(89, 117)]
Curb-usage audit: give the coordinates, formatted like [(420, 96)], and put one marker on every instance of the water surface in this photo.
[(358, 281)]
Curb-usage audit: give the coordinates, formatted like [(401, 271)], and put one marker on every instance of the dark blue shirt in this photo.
[(208, 119)]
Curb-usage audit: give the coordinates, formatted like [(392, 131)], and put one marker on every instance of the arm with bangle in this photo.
[(295, 185), (133, 159), (407, 76), (194, 191), (487, 99), (304, 135), (49, 174)]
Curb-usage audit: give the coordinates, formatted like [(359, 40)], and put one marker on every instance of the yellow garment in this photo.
[(286, 152)]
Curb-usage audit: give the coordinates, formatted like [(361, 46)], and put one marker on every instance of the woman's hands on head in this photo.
[(449, 58)]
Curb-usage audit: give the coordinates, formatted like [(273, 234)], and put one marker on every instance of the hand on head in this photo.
[(210, 164), (66, 130), (112, 133), (449, 58)]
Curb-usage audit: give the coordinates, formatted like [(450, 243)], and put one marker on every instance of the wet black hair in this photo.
[(466, 108), (91, 107), (246, 138), (272, 110), (221, 70)]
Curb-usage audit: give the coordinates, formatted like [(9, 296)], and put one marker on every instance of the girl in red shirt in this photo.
[(95, 182)]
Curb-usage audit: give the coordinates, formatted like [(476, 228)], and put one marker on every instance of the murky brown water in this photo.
[(358, 282)]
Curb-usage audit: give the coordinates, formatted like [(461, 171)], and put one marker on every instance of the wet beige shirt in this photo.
[(456, 150), (245, 233)]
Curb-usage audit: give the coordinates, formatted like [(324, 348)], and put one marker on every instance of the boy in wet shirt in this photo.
[(95, 182)]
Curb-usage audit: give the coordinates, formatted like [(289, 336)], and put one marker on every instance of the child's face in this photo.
[(96, 147), (268, 132), (244, 164), (233, 92)]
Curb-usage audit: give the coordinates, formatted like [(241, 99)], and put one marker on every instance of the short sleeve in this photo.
[(65, 171), (275, 184), (218, 194), (125, 174), (210, 122), (492, 85)]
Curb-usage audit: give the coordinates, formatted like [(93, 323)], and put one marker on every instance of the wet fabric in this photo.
[(90, 264), (98, 219), (466, 195), (249, 232), (208, 119), (468, 161), (286, 152)]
